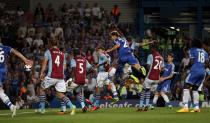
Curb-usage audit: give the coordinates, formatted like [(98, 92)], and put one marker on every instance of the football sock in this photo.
[(97, 99), (142, 96), (5, 99), (186, 96), (155, 100), (166, 99), (114, 91), (196, 99), (42, 99), (67, 101), (63, 106), (147, 97), (81, 99)]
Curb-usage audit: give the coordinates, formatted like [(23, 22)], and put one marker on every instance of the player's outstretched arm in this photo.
[(25, 60), (115, 47)]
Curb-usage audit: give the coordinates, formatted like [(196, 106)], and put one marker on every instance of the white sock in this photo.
[(165, 97), (155, 99), (113, 89), (5, 99), (186, 96), (196, 99)]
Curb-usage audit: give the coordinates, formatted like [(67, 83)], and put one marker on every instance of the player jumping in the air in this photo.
[(155, 64), (125, 53), (165, 81), (198, 61), (55, 76), (105, 77), (4, 54)]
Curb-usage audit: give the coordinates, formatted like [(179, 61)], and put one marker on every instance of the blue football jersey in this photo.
[(124, 48), (168, 70), (199, 56), (4, 53)]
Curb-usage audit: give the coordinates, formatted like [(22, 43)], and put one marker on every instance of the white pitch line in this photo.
[(17, 113)]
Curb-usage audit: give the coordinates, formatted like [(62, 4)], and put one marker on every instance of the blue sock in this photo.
[(67, 101), (63, 106), (147, 97), (142, 96), (97, 100), (42, 99), (81, 99)]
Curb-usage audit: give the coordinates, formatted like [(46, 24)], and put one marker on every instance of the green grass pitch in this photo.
[(108, 115)]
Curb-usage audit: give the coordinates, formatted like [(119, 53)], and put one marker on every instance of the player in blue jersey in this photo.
[(198, 61), (165, 81), (5, 51), (125, 53)]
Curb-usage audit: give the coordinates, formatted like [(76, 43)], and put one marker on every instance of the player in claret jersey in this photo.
[(155, 64), (79, 66), (104, 77), (5, 51), (198, 61), (55, 75), (165, 81)]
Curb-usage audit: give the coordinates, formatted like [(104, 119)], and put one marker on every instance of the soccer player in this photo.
[(155, 65), (55, 76), (79, 66), (5, 51), (165, 81), (125, 53), (198, 61), (105, 77)]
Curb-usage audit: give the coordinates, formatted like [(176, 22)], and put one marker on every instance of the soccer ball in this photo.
[(27, 67)]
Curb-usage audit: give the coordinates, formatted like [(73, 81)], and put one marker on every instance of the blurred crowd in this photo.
[(80, 26)]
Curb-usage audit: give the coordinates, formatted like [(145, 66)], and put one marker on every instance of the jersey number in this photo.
[(201, 57), (57, 60), (1, 56), (158, 64), (81, 69)]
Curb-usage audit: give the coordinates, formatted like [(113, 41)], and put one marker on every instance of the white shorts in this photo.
[(73, 86), (59, 84), (102, 79), (150, 84)]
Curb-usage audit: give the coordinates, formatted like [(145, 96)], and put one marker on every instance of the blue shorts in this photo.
[(196, 77), (2, 78), (164, 86), (130, 59)]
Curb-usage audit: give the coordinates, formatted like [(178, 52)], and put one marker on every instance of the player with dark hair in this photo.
[(55, 76), (5, 51), (198, 61), (165, 81), (155, 65), (79, 66), (125, 53)]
